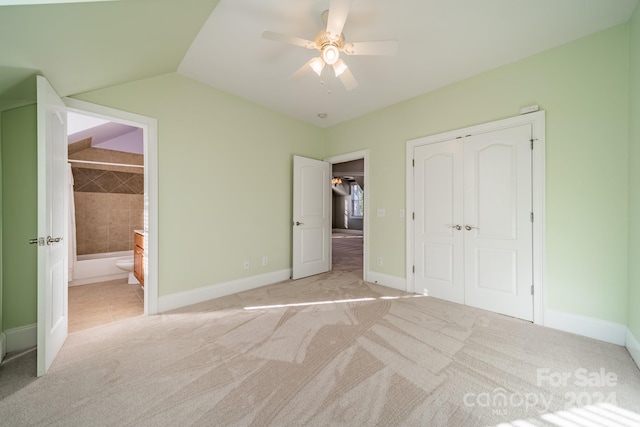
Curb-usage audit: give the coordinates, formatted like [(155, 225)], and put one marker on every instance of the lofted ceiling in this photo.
[(86, 46)]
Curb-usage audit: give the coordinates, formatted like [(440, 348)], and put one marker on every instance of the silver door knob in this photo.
[(469, 227), (52, 240), (457, 227)]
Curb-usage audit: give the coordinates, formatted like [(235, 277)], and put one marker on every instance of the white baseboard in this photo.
[(183, 299), (633, 346), (21, 338), (3, 346), (394, 282), (603, 330)]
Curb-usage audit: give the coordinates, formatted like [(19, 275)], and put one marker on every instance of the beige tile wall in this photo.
[(105, 222)]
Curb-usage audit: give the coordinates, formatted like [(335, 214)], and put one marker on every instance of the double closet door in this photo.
[(473, 221)]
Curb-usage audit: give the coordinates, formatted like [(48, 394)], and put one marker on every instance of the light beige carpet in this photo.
[(326, 350)]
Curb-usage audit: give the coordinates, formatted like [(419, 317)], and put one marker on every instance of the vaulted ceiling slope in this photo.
[(86, 46)]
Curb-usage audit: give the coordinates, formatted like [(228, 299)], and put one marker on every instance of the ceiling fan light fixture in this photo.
[(339, 67), (317, 65), (330, 54)]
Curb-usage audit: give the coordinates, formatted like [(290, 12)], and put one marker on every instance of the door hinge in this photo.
[(531, 216), (531, 289), (413, 216), (413, 162), (531, 143), (413, 269)]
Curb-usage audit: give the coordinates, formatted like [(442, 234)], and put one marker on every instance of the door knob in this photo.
[(298, 223), (52, 240), (457, 227), (38, 241), (469, 227)]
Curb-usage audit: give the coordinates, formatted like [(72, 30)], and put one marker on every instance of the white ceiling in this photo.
[(85, 46), (440, 42)]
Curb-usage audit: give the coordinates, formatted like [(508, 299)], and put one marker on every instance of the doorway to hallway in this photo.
[(349, 212)]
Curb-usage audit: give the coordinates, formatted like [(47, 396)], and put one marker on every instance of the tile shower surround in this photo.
[(109, 200), (105, 221)]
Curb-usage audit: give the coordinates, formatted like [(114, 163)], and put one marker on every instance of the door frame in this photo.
[(149, 128), (347, 157), (537, 122)]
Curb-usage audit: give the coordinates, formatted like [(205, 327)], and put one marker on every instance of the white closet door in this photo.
[(438, 196), (497, 221)]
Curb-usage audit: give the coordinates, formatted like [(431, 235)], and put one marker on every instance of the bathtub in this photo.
[(93, 268)]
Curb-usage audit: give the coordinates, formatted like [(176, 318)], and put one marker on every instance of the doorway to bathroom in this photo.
[(113, 165), (106, 213)]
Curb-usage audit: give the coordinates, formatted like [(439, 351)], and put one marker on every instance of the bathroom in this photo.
[(106, 214)]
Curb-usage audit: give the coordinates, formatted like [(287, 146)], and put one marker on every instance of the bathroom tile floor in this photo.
[(104, 302)]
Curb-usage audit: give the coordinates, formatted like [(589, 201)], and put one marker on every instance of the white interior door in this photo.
[(497, 219), (311, 217), (438, 220), (52, 225)]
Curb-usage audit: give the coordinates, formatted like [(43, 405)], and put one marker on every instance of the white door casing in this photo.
[(311, 217), (52, 225), (150, 136), (532, 194)]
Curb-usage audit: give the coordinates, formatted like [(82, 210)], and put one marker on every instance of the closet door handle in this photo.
[(470, 227), (457, 227)]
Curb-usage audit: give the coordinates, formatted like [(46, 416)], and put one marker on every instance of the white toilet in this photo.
[(126, 264)]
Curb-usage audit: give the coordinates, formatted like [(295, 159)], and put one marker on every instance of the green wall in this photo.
[(583, 86), (225, 173), (634, 180), (19, 216)]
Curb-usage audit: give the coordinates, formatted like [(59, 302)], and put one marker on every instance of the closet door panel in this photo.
[(438, 210), (498, 229)]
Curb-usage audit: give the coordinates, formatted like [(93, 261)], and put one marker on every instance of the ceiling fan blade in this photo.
[(302, 71), (347, 79), (386, 47), (338, 13), (296, 41)]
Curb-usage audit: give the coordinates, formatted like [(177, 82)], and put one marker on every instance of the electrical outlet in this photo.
[(245, 265), (401, 213), (381, 212), (265, 260), (379, 260)]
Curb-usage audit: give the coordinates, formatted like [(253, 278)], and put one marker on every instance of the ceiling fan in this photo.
[(330, 42)]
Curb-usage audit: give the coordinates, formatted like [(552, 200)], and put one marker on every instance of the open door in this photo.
[(311, 217), (52, 225)]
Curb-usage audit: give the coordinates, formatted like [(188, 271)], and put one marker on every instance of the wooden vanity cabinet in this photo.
[(138, 257)]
